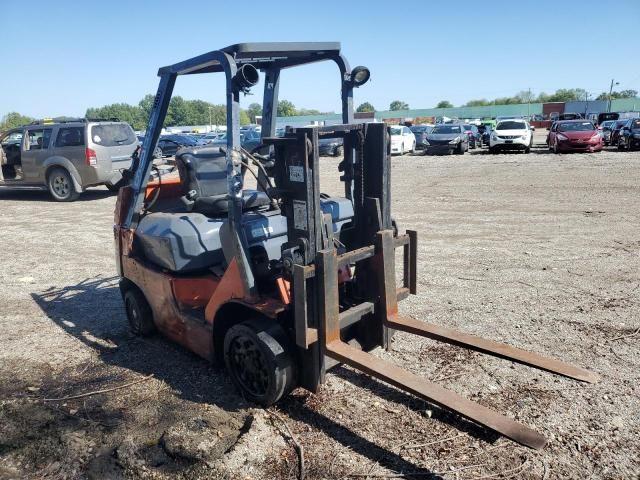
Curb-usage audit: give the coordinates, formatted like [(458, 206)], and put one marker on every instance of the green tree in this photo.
[(198, 112), (245, 119), (563, 95), (444, 104), (286, 109), (308, 111), (365, 107), (398, 105), (477, 103), (145, 106), (122, 111), (178, 112), (254, 110), (622, 94), (12, 120), (219, 114)]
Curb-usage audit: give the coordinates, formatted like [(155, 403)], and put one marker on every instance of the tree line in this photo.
[(179, 112), (525, 96), (199, 112)]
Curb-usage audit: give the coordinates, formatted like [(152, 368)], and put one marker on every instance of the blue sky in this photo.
[(60, 57)]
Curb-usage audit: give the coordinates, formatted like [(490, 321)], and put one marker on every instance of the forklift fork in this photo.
[(384, 316)]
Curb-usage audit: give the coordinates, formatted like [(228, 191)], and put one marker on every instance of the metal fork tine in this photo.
[(490, 347), (434, 393)]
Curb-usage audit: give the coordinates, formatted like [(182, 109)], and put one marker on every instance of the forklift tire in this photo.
[(259, 359), (60, 185), (138, 313)]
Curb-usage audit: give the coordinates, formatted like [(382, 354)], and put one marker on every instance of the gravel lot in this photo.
[(540, 251)]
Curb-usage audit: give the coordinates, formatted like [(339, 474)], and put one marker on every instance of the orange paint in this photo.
[(194, 292), (230, 287), (170, 187), (284, 289)]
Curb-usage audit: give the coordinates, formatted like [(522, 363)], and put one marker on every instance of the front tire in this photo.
[(460, 150), (259, 359), (60, 185)]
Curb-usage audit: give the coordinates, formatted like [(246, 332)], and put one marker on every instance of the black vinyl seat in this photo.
[(203, 173)]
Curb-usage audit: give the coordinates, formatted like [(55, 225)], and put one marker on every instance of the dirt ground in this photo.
[(539, 251)]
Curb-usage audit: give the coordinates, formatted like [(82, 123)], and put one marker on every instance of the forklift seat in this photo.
[(203, 170)]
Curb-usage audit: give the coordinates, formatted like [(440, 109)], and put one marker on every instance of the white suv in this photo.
[(511, 134)]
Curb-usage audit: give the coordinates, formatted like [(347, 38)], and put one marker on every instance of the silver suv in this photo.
[(66, 157)]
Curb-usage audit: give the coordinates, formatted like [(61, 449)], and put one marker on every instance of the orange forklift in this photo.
[(282, 282)]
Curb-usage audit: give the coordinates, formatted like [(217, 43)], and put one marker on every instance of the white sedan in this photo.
[(402, 140)]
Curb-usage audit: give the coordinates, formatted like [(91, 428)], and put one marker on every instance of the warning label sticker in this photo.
[(300, 215), (296, 173)]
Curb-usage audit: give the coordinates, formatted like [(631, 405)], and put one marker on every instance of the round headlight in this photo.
[(360, 75)]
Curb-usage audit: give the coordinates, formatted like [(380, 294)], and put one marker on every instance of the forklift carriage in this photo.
[(283, 282)]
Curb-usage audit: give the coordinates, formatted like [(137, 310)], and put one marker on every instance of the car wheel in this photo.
[(258, 357), (138, 312), (620, 145), (460, 150), (413, 147), (492, 150), (60, 185), (402, 149), (338, 151)]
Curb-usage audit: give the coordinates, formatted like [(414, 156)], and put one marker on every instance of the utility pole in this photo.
[(586, 103), (610, 92)]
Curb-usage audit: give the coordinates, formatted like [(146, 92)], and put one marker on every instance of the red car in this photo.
[(574, 136)]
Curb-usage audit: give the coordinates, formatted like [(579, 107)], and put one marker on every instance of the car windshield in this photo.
[(511, 125), (576, 127), (396, 131), (184, 139), (424, 129), (446, 129)]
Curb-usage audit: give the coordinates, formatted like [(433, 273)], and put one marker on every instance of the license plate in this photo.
[(508, 141)]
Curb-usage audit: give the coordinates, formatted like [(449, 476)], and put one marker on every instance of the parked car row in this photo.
[(583, 135)]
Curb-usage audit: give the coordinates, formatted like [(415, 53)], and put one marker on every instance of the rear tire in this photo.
[(259, 359), (60, 185), (139, 313)]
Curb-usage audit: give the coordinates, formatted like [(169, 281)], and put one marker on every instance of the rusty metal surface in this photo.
[(490, 347), (431, 392)]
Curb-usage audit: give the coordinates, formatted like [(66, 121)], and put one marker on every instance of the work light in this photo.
[(360, 75)]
